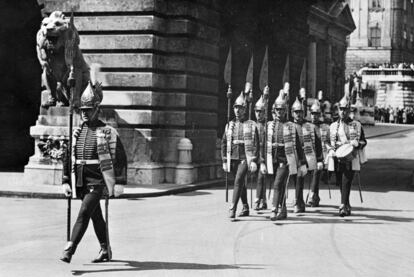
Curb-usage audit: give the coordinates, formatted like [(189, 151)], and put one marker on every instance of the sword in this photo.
[(359, 187), (107, 227), (285, 196)]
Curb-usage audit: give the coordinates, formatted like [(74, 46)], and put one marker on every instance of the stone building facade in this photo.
[(384, 33), (163, 62)]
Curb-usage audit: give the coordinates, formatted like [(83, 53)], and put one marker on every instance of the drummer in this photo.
[(345, 133)]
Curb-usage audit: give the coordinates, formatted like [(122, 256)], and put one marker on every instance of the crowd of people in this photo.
[(394, 115)]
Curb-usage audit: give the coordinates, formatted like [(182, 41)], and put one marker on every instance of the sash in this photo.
[(324, 129), (289, 137), (229, 135), (106, 142), (309, 145), (72, 173), (269, 148), (248, 136)]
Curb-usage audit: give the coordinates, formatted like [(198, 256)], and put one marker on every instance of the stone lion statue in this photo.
[(61, 59)]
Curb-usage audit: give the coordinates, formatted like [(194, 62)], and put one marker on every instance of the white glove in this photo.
[(303, 170), (253, 167), (319, 166), (354, 143), (118, 190), (225, 167), (67, 191), (263, 169)]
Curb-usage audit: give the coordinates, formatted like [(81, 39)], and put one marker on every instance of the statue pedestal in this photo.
[(52, 124)]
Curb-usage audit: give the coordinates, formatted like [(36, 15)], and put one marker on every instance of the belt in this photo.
[(87, 162), (277, 144), (236, 141)]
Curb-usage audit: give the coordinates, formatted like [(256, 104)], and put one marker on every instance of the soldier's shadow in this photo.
[(360, 215), (127, 266)]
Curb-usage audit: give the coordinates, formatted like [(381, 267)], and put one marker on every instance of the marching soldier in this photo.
[(283, 157), (98, 168), (322, 132), (342, 132), (260, 202), (312, 149), (240, 152)]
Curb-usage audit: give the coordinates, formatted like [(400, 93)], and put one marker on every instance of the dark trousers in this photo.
[(261, 187), (344, 177), (239, 168), (316, 177), (299, 183), (279, 185), (90, 209)]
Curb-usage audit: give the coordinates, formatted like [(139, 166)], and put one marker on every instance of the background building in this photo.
[(162, 69), (384, 33)]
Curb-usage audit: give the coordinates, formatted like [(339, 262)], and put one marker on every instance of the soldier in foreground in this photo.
[(260, 202), (283, 155), (346, 134), (312, 149), (98, 168), (322, 132), (240, 152)]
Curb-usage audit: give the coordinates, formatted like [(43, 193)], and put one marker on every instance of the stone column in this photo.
[(312, 68)]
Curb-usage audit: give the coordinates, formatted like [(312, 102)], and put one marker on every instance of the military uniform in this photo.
[(322, 133), (311, 145), (98, 167), (239, 151), (283, 156), (346, 131), (260, 202)]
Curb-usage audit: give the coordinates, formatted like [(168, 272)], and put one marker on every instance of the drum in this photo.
[(345, 153)]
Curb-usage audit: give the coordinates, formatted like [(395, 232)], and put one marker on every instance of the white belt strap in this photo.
[(87, 161)]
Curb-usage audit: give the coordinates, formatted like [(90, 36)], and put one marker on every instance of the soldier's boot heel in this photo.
[(68, 252), (245, 211), (104, 254)]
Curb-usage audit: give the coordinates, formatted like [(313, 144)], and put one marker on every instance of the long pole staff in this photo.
[(229, 92), (69, 161), (69, 55), (249, 176), (266, 102)]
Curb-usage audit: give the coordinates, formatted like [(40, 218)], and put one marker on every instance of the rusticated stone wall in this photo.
[(159, 71)]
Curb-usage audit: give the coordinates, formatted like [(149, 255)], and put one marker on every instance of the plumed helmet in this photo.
[(344, 102), (297, 105), (260, 104), (316, 107), (240, 100), (92, 96), (280, 101)]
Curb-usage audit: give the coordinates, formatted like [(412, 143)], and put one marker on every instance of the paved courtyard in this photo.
[(190, 235)]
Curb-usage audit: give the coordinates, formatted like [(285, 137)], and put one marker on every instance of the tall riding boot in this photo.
[(68, 252), (103, 255)]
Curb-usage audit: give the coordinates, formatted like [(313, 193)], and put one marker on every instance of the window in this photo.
[(374, 37), (375, 4)]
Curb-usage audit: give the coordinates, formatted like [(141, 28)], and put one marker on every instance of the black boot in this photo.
[(68, 252), (104, 254), (245, 211)]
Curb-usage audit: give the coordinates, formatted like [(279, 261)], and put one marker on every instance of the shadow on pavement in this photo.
[(359, 215), (145, 265)]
